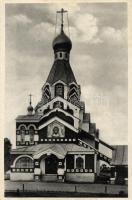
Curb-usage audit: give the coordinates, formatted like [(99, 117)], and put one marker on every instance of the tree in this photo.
[(7, 156)]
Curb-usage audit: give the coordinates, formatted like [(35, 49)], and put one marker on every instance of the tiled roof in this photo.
[(60, 148), (61, 70), (120, 155)]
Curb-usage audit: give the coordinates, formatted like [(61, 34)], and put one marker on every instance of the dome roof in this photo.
[(62, 43), (30, 108)]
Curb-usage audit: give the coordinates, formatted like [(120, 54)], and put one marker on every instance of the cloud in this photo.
[(19, 19), (42, 31), (113, 36), (85, 28), (107, 110)]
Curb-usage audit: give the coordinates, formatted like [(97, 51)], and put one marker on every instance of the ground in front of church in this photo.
[(50, 189)]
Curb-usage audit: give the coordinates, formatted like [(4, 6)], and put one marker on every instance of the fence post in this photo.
[(23, 187), (75, 188), (106, 189), (18, 192)]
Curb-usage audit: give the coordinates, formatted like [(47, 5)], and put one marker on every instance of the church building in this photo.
[(56, 140)]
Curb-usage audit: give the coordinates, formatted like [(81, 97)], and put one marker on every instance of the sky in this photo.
[(98, 58)]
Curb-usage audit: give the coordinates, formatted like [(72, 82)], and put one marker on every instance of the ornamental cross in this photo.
[(62, 11)]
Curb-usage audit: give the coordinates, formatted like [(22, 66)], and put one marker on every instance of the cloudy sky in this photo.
[(98, 58)]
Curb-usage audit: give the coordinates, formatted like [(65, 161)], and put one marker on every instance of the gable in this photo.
[(57, 119), (57, 113), (66, 103)]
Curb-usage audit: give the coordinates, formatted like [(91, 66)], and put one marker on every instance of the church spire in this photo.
[(61, 69)]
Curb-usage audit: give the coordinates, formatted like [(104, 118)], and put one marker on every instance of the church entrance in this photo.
[(51, 164)]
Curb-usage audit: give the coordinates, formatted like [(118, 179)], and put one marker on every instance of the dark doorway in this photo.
[(51, 164)]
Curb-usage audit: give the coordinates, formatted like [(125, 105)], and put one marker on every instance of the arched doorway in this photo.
[(51, 164)]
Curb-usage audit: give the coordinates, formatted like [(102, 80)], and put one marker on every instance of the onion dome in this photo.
[(62, 43), (30, 109)]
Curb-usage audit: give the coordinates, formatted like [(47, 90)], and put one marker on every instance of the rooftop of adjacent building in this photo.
[(119, 155)]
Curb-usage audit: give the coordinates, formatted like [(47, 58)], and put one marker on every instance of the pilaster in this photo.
[(37, 170), (61, 171)]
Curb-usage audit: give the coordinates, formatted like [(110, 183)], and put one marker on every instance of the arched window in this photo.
[(79, 163), (24, 162), (22, 133), (59, 90), (31, 133)]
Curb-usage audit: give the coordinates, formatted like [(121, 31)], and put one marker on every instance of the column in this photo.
[(95, 163), (61, 170)]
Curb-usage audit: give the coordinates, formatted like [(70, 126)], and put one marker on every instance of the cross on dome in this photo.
[(62, 42), (62, 11)]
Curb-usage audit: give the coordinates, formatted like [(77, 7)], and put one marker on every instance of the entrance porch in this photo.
[(49, 167)]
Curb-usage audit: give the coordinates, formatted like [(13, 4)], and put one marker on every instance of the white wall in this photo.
[(80, 177), (21, 176), (27, 138)]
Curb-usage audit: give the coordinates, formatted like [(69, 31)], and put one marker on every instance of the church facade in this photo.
[(56, 140)]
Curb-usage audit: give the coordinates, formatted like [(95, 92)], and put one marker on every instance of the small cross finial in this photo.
[(30, 99), (62, 11)]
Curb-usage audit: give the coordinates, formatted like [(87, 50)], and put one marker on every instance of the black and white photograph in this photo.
[(66, 100)]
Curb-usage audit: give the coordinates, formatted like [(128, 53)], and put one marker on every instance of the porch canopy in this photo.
[(60, 150)]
